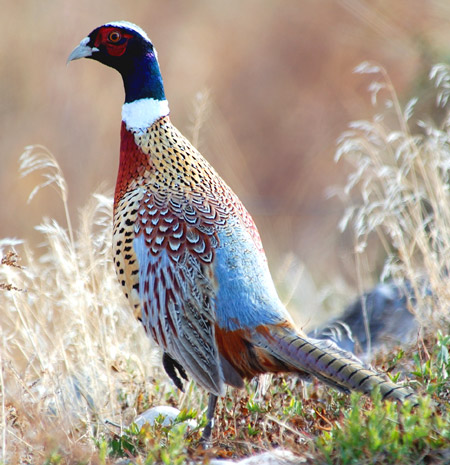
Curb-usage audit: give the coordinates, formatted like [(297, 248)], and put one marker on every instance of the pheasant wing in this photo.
[(177, 287)]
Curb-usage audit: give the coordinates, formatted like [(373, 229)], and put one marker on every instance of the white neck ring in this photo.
[(142, 113)]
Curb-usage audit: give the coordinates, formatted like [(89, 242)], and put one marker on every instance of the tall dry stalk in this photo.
[(399, 190)]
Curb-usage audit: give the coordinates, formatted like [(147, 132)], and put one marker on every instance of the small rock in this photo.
[(274, 457), (169, 414)]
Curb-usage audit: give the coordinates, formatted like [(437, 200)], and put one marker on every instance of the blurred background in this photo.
[(275, 86)]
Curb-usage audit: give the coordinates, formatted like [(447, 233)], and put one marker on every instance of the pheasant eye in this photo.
[(114, 37)]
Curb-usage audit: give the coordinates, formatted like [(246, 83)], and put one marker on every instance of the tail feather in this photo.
[(326, 361)]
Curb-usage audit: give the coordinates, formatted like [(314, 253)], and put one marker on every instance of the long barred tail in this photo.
[(336, 367)]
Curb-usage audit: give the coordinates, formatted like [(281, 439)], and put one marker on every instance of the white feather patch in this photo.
[(142, 113)]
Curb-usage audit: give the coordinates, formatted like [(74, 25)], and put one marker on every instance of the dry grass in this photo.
[(69, 347), (399, 191)]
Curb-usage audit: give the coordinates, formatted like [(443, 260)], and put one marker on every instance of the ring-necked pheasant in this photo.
[(188, 254)]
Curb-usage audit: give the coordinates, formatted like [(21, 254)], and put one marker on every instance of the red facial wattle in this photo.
[(116, 47)]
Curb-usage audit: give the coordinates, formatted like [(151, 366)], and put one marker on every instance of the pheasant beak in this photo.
[(82, 51)]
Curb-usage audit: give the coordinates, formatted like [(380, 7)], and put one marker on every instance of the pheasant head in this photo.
[(126, 47)]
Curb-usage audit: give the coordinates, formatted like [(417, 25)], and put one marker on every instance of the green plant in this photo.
[(434, 373), (386, 433)]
